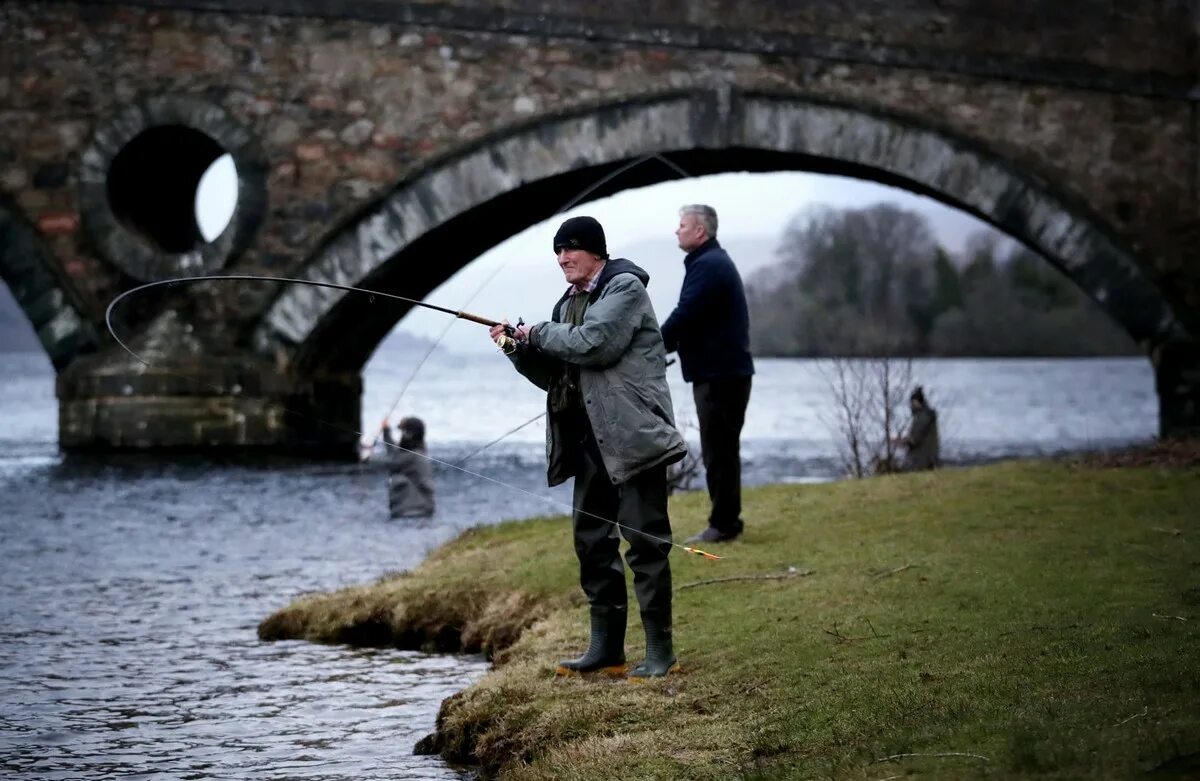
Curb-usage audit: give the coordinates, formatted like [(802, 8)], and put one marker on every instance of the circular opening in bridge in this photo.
[(154, 187)]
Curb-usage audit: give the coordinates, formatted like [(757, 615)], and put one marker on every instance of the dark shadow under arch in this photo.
[(432, 225)]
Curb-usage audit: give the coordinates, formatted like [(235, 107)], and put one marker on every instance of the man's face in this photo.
[(578, 265), (690, 232)]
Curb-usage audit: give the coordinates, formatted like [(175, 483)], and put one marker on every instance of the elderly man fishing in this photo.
[(610, 425)]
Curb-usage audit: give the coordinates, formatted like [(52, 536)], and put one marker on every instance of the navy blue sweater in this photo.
[(710, 327)]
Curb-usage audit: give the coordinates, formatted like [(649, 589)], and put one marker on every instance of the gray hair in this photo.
[(706, 215)]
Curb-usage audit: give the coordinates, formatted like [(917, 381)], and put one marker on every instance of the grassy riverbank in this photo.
[(1034, 619)]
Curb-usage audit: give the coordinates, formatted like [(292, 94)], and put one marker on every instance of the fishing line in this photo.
[(488, 280), (500, 438), (512, 431), (108, 312), (558, 502)]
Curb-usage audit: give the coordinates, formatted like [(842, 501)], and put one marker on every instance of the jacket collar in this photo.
[(612, 267), (705, 247)]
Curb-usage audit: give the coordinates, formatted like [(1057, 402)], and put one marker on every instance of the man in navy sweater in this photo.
[(710, 328)]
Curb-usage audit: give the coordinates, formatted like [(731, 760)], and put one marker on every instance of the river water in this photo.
[(131, 587)]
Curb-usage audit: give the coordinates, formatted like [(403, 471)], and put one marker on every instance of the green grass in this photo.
[(1039, 615)]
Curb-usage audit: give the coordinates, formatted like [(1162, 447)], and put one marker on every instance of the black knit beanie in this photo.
[(583, 233), (412, 432)]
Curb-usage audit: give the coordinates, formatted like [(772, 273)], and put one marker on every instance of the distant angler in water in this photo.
[(921, 443), (410, 479)]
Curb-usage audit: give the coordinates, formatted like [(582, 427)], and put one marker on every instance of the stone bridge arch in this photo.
[(59, 321), (432, 224), (415, 129)]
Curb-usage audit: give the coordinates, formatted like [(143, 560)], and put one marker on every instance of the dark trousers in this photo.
[(639, 505), (721, 407)]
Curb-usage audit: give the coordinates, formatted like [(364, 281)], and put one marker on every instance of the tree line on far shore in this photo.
[(873, 281)]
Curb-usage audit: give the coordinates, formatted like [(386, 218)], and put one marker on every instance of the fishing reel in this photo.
[(508, 340)]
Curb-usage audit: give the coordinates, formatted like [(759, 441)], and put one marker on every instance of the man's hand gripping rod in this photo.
[(506, 341)]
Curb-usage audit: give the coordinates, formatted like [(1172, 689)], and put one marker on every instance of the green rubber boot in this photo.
[(660, 658), (606, 650)]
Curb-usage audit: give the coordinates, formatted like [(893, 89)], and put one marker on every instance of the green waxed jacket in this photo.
[(622, 377)]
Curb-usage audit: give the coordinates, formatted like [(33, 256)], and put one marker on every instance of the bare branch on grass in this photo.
[(897, 570), (1051, 627), (895, 757), (836, 634), (755, 687), (1143, 712), (1177, 618), (791, 573)]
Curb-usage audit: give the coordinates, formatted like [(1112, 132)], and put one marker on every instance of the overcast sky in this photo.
[(519, 277)]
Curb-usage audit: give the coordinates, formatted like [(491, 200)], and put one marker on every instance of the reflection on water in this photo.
[(132, 586)]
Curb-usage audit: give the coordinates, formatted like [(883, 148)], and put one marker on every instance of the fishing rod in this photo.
[(108, 312), (509, 329)]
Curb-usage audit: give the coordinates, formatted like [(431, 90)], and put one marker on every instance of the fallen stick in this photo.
[(1145, 710), (891, 572), (841, 638), (733, 578), (894, 757)]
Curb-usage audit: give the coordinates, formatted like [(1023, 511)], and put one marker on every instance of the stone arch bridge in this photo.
[(387, 143)]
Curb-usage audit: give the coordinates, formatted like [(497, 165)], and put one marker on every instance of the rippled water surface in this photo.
[(131, 587), (127, 625)]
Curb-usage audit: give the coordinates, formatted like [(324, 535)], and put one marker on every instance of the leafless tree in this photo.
[(869, 397), (847, 420)]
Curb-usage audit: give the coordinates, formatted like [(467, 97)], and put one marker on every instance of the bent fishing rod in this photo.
[(509, 333), (509, 330)]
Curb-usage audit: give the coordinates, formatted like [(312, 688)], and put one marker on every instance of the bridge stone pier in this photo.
[(385, 144)]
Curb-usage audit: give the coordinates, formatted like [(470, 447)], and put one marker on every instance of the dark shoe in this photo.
[(660, 658), (712, 534), (606, 650)]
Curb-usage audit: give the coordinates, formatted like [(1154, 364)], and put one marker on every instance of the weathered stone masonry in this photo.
[(365, 131)]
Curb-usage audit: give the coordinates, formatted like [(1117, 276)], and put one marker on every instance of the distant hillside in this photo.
[(16, 333)]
